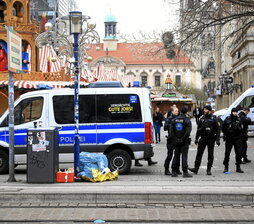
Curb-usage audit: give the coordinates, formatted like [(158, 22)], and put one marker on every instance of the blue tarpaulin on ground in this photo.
[(89, 161)]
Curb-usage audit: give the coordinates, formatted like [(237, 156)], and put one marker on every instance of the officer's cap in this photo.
[(234, 110), (184, 110), (208, 107)]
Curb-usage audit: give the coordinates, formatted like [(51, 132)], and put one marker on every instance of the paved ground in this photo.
[(144, 195)]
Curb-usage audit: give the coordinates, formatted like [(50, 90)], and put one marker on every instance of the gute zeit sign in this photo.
[(14, 51)]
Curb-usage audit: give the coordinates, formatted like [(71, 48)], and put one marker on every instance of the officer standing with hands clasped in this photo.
[(232, 128), (180, 134), (208, 132)]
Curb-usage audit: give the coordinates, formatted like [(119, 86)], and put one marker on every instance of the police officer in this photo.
[(232, 128), (180, 130), (246, 122), (170, 146), (208, 131)]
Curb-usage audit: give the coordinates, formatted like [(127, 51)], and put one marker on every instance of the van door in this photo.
[(26, 113)]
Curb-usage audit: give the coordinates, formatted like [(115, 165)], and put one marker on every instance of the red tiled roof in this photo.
[(141, 54)]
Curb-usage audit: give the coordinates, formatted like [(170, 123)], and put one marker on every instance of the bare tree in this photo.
[(199, 16)]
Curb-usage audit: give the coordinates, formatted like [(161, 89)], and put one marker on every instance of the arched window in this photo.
[(144, 78), (18, 11), (2, 10), (157, 79)]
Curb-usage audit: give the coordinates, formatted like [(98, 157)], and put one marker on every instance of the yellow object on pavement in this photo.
[(98, 176)]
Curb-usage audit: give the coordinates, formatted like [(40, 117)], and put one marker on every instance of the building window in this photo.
[(143, 80), (178, 80), (157, 81)]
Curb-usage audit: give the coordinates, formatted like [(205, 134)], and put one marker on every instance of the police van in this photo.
[(245, 100), (113, 121)]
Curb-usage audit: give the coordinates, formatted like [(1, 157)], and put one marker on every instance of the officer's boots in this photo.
[(167, 172), (186, 174), (208, 171), (238, 169), (159, 137), (174, 173), (194, 170), (225, 169)]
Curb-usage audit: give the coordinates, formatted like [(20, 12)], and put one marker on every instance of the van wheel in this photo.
[(4, 162), (119, 159)]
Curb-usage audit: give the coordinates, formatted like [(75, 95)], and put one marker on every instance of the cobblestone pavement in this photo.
[(168, 215)]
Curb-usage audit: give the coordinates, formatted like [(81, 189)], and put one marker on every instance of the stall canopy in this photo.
[(38, 85)]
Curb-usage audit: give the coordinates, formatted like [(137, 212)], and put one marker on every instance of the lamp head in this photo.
[(89, 58), (75, 18)]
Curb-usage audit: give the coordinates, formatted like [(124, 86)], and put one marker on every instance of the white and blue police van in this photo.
[(244, 100), (113, 121)]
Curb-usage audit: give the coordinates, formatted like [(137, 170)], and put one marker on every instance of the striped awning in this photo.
[(20, 84), (38, 84)]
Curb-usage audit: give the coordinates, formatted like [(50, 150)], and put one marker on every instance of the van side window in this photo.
[(87, 109), (26, 111), (64, 109), (246, 102), (118, 108)]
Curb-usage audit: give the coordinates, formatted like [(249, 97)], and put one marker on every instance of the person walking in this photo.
[(246, 122), (180, 130), (170, 146), (232, 129), (157, 124), (208, 132), (197, 113)]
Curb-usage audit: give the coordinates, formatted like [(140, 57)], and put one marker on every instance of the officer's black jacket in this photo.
[(232, 127), (185, 134), (208, 127), (168, 121), (245, 120)]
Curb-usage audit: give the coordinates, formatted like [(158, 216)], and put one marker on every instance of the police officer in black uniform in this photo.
[(180, 130), (208, 131), (246, 122), (170, 146), (232, 129)]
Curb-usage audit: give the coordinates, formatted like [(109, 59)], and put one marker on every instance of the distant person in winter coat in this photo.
[(157, 124), (197, 113)]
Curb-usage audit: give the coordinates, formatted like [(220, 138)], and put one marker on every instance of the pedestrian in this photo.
[(180, 130), (170, 111), (157, 124), (170, 146), (246, 122), (232, 129), (208, 132), (197, 113)]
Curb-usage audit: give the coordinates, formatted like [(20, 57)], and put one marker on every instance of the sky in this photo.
[(132, 15)]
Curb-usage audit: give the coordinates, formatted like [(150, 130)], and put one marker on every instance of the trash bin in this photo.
[(42, 155)]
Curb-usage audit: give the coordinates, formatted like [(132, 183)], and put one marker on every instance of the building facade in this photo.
[(146, 62), (234, 60), (52, 8), (201, 50)]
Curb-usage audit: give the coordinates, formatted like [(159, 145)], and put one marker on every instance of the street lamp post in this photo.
[(74, 49), (76, 29)]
